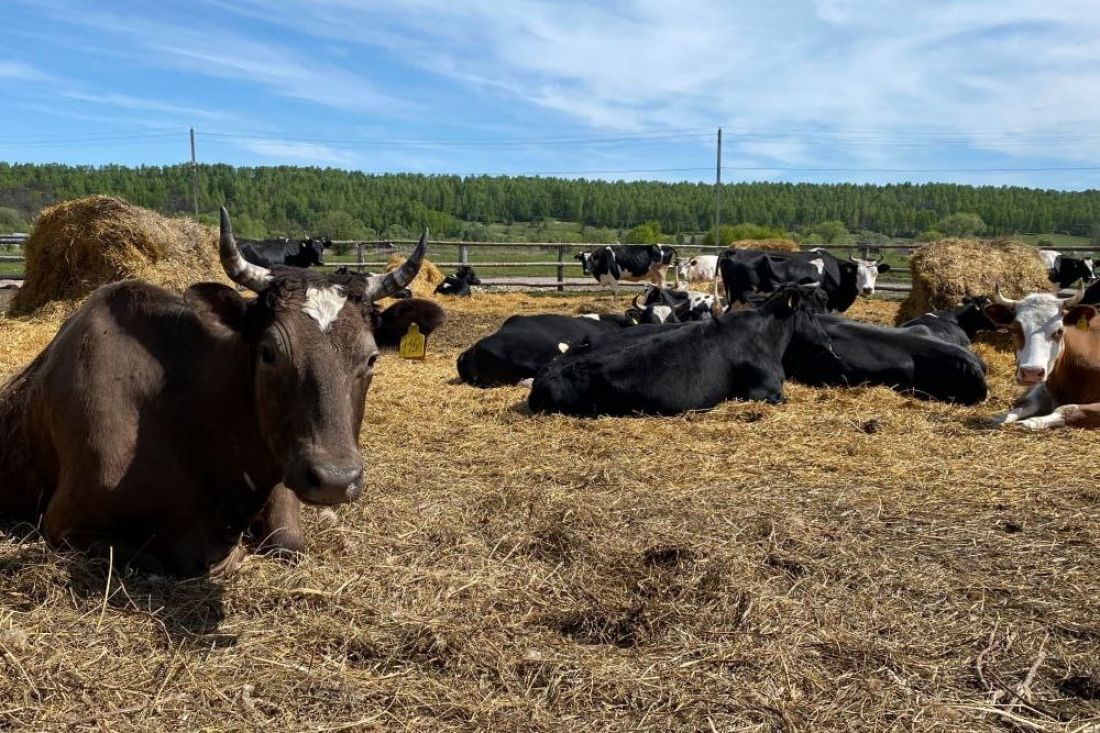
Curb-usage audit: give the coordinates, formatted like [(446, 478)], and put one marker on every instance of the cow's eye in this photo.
[(371, 361), (267, 354), (1057, 334)]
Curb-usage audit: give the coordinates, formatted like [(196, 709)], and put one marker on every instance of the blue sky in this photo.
[(983, 92)]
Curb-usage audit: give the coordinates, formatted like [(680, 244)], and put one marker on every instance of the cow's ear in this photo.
[(219, 306), (883, 267), (394, 321), (1000, 314), (1078, 314)]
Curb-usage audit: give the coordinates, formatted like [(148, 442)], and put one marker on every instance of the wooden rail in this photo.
[(367, 254)]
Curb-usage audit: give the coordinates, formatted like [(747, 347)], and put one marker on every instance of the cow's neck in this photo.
[(250, 470), (1075, 378)]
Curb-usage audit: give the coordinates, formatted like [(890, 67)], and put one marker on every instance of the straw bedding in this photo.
[(851, 559), (78, 245), (775, 245), (946, 271)]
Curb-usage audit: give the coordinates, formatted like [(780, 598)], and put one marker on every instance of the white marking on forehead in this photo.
[(661, 312), (563, 347), (323, 304), (819, 264), (1039, 315)]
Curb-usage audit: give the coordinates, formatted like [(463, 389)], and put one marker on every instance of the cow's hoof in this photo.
[(284, 545), (1033, 424)]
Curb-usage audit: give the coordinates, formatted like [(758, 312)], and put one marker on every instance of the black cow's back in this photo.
[(523, 345), (667, 370), (861, 353)]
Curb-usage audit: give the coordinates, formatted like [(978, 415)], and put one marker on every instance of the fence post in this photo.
[(359, 257), (463, 253), (561, 268)]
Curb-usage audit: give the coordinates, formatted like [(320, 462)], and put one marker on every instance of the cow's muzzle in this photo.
[(1030, 376), (317, 482)]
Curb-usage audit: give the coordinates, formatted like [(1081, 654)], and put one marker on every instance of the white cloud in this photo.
[(126, 101), (895, 66), (19, 71), (283, 150), (285, 70)]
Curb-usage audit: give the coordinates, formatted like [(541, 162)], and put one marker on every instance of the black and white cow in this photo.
[(954, 325), (1065, 271), (275, 252), (525, 344), (585, 258), (632, 263), (745, 270), (667, 370), (459, 283), (666, 305), (860, 353)]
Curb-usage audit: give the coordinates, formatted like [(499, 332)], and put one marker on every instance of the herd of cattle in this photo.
[(160, 428)]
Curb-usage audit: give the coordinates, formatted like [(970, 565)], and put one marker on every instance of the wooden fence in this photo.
[(372, 255)]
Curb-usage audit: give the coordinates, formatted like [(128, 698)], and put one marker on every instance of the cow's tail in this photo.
[(717, 296)]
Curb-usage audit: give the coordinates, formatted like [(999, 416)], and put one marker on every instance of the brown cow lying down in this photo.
[(159, 426)]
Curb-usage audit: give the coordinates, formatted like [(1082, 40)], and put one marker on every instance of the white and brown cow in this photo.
[(1057, 359)]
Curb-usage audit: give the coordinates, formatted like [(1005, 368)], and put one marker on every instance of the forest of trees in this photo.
[(271, 201)]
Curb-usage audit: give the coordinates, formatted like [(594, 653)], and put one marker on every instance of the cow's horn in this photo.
[(1074, 299), (239, 270), (1002, 300), (383, 286)]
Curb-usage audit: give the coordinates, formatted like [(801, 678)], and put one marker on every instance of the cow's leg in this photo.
[(1077, 416), (1036, 401), (657, 275), (102, 545), (280, 524)]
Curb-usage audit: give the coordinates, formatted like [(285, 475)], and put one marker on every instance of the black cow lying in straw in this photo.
[(276, 252), (525, 344), (459, 283), (860, 353), (668, 370), (954, 325)]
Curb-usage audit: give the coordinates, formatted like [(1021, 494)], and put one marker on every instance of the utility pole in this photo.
[(718, 194), (194, 174)]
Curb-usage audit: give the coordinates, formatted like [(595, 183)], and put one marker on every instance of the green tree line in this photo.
[(286, 200)]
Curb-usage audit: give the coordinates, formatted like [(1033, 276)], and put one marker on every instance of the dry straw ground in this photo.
[(850, 560)]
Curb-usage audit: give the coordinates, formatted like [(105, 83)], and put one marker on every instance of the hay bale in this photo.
[(774, 245), (946, 271), (423, 286), (78, 245)]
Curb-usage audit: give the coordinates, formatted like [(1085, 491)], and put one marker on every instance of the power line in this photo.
[(1035, 169)]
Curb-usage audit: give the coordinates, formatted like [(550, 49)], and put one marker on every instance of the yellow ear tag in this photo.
[(1083, 323), (413, 344)]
